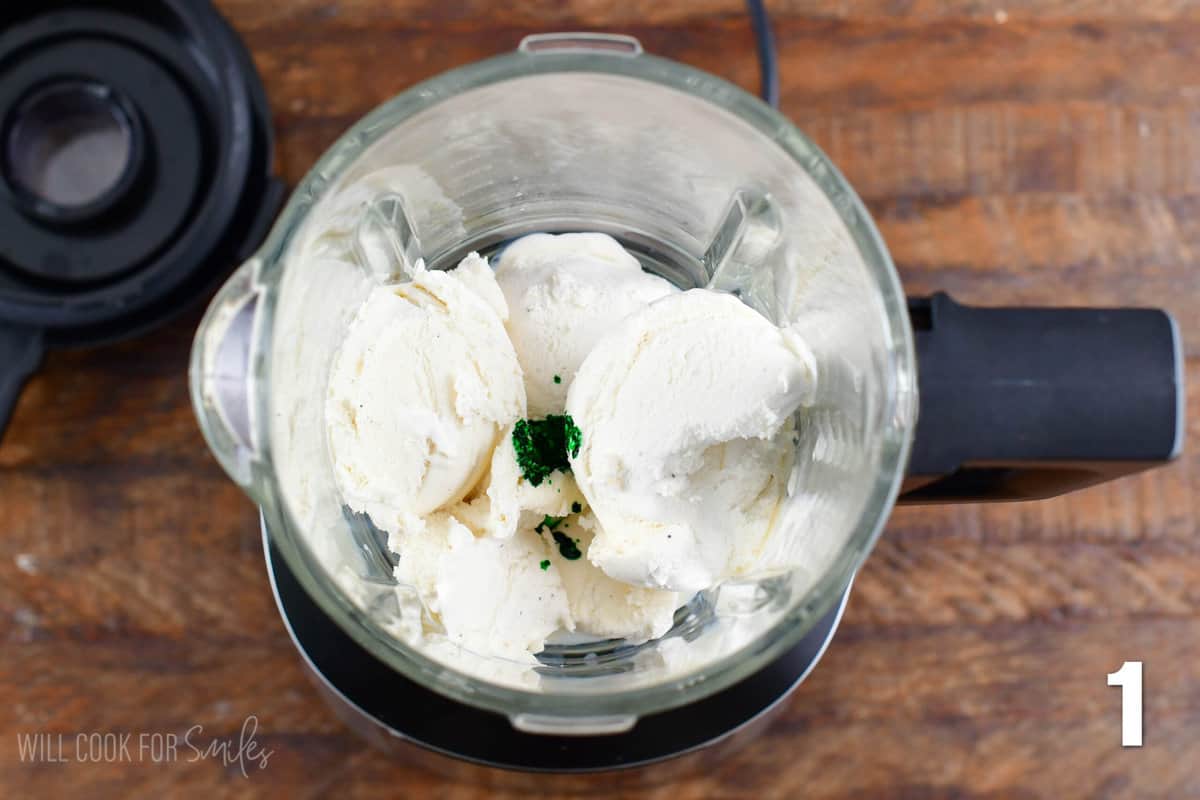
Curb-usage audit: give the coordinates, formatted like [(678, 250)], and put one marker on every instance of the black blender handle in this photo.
[(1027, 403), (21, 351)]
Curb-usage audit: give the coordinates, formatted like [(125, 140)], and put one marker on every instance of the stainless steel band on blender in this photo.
[(136, 152)]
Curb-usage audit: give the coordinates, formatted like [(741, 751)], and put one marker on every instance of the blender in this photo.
[(918, 400)]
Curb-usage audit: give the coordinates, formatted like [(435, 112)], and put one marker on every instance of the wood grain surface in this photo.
[(1023, 151)]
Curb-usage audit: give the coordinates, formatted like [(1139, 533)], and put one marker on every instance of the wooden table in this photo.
[(1023, 151)]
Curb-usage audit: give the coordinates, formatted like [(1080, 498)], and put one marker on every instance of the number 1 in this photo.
[(1129, 678)]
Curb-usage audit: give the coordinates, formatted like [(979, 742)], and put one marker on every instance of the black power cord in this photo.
[(768, 63)]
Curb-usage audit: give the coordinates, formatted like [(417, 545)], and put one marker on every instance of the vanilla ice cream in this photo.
[(564, 292), (609, 608), (419, 393), (686, 413), (491, 595), (511, 521)]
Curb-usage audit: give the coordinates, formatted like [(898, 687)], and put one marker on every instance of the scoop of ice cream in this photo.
[(598, 605), (685, 412), (604, 607), (419, 393), (564, 292), (491, 595)]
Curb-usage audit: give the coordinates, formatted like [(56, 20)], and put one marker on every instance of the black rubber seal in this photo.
[(38, 116), (168, 158), (198, 194)]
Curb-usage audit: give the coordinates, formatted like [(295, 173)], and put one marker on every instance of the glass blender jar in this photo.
[(706, 186)]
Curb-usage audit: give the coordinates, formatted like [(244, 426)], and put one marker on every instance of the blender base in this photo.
[(390, 710)]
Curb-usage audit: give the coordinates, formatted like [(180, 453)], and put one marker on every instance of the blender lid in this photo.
[(369, 694), (135, 169)]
